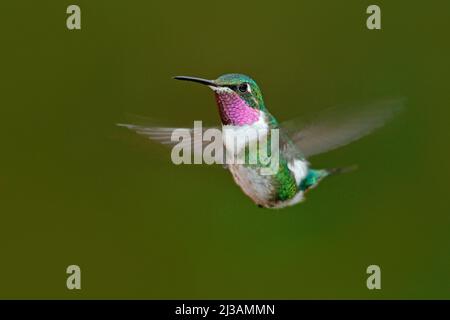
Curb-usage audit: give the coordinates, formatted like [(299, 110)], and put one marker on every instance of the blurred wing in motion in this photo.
[(339, 126), (163, 135)]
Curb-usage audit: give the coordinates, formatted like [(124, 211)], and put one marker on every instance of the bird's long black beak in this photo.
[(198, 80)]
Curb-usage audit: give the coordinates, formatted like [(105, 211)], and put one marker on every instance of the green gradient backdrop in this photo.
[(76, 189)]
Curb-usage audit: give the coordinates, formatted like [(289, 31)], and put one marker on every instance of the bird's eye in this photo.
[(243, 87)]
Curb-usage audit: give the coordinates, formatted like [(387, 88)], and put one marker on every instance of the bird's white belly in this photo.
[(258, 187)]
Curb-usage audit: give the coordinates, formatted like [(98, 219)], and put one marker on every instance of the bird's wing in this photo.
[(164, 136), (169, 136), (339, 126)]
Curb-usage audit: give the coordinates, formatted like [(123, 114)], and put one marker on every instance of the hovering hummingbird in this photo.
[(241, 106)]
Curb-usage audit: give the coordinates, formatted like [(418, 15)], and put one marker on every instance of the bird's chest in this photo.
[(237, 138), (242, 145)]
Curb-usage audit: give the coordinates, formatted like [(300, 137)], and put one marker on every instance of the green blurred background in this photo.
[(76, 189)]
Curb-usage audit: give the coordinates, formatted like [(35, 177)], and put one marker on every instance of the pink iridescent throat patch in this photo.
[(234, 110)]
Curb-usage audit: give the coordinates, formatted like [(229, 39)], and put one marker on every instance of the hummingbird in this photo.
[(241, 107)]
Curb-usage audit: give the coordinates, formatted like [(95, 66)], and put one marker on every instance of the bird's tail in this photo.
[(315, 176), (340, 170)]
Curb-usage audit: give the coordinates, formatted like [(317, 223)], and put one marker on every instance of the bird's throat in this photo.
[(234, 110)]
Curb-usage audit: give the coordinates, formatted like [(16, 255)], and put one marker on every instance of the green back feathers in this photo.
[(286, 184)]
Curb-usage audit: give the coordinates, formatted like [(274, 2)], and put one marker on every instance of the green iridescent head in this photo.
[(244, 86)]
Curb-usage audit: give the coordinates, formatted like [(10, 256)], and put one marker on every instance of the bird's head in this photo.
[(238, 97)]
